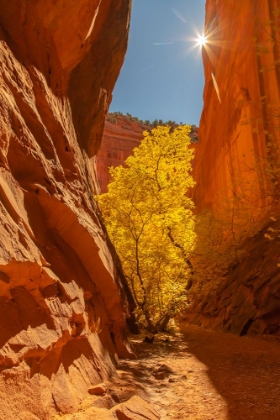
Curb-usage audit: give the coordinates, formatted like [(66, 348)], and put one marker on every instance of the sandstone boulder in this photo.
[(135, 409), (99, 389)]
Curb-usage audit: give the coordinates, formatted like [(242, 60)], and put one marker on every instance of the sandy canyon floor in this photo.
[(215, 377)]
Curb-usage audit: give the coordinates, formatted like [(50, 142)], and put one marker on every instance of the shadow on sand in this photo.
[(245, 371)]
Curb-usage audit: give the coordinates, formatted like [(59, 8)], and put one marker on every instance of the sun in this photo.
[(201, 40)]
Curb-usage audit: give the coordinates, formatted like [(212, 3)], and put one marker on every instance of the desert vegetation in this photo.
[(114, 117), (151, 223)]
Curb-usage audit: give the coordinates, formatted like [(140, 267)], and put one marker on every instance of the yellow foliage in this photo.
[(150, 221)]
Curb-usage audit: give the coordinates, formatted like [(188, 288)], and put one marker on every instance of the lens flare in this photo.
[(201, 40)]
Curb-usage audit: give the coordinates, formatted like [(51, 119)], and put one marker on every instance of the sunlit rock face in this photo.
[(237, 161), (235, 135), (63, 307)]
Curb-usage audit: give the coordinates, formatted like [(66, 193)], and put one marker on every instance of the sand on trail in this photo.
[(227, 377), (216, 376)]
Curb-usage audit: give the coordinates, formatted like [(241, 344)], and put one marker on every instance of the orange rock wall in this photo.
[(240, 53), (237, 159), (119, 139), (63, 305)]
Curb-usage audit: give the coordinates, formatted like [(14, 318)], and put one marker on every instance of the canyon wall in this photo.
[(63, 303), (119, 139), (237, 164), (239, 134)]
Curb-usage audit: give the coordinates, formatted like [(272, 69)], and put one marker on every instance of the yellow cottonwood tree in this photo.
[(150, 222)]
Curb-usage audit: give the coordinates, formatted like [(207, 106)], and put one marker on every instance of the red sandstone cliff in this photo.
[(63, 305), (237, 162), (119, 139), (237, 135)]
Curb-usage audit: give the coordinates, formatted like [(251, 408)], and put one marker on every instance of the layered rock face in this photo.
[(238, 135), (119, 139), (237, 161), (63, 304)]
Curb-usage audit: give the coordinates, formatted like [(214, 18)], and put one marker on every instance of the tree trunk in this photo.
[(164, 322), (151, 327)]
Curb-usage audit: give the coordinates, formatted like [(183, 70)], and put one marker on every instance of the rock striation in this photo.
[(63, 304), (239, 135), (120, 137), (237, 161)]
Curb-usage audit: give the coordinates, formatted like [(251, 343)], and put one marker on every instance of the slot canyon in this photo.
[(66, 311)]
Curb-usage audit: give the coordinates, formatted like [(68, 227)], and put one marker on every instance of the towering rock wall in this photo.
[(63, 307), (237, 135), (237, 164)]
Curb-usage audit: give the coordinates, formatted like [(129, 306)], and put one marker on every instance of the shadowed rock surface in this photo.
[(63, 305), (247, 300)]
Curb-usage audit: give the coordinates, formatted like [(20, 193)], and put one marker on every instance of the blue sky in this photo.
[(162, 76)]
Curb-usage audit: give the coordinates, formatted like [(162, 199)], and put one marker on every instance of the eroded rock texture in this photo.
[(237, 161), (63, 307), (247, 300)]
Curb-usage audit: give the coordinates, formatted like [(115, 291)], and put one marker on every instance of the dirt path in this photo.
[(216, 377), (228, 377)]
